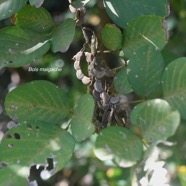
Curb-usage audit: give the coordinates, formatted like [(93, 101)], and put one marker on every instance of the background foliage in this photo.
[(46, 131)]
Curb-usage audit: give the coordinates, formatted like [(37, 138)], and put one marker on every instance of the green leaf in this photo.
[(168, 56), (144, 30), (81, 124), (174, 85), (37, 101), (36, 3), (121, 12), (118, 143), (9, 7), (35, 19), (121, 83), (17, 44), (11, 176), (28, 56), (156, 120), (111, 37), (145, 72), (26, 146), (79, 3), (63, 35)]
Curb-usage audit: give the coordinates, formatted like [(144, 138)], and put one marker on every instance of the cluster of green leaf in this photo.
[(32, 36), (49, 126)]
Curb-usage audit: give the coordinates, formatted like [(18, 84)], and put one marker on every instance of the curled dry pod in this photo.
[(77, 65), (89, 57), (98, 86), (85, 80), (78, 56), (114, 100), (79, 74)]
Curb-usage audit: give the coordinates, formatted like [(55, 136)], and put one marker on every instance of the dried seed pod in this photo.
[(79, 74), (96, 95), (77, 65), (78, 56), (100, 74), (89, 57), (92, 72), (98, 86), (85, 80), (114, 100)]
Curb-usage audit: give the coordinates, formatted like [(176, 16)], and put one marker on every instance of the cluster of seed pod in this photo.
[(109, 109), (79, 74)]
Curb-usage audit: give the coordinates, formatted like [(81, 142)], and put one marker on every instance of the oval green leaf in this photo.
[(121, 12), (145, 72), (63, 35), (121, 83), (156, 120), (174, 85), (12, 177), (18, 46), (29, 145), (9, 7), (35, 19), (37, 101), (111, 37), (118, 143), (144, 30), (81, 123)]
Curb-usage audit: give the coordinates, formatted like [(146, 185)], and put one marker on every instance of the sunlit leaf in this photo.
[(145, 72), (38, 101), (30, 145), (156, 120), (81, 124), (123, 11), (174, 85), (19, 47), (63, 35), (118, 143), (9, 7), (142, 31), (111, 37)]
